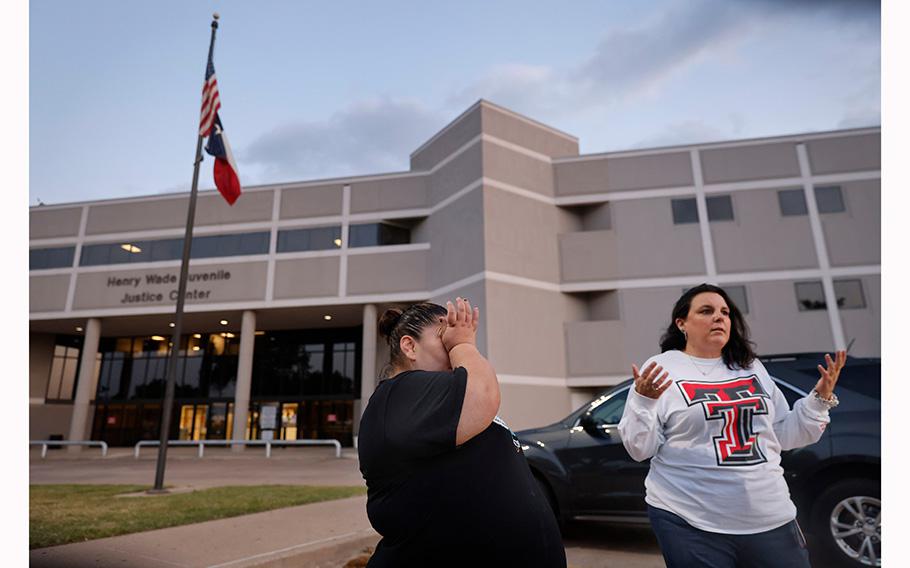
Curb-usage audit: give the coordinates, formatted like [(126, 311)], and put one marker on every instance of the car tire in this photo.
[(852, 509)]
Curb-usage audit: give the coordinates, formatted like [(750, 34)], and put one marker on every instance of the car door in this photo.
[(604, 479)]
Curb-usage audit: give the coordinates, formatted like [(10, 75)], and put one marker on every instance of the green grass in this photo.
[(61, 514)]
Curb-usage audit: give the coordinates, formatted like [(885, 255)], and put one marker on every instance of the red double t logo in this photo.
[(734, 402)]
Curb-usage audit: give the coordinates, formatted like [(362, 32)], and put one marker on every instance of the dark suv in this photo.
[(587, 474)]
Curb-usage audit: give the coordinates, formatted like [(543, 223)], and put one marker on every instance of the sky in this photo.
[(319, 89)]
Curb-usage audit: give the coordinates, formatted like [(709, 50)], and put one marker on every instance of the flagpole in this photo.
[(181, 296)]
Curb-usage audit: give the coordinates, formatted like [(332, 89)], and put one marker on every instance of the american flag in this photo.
[(211, 101)]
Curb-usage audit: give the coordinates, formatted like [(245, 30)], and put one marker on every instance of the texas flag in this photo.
[(226, 179)]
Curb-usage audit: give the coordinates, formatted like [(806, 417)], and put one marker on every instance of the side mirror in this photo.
[(592, 426)]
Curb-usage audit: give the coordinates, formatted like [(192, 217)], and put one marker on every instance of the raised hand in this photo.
[(648, 384), (461, 324), (830, 373)]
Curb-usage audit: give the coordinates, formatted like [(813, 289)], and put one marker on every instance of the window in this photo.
[(792, 202), (810, 296), (172, 249), (849, 294), (610, 412), (684, 211), (378, 234), (61, 257), (829, 199), (738, 295), (720, 208), (319, 238), (61, 384)]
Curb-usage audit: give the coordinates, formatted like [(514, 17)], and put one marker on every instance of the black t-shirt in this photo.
[(438, 504)]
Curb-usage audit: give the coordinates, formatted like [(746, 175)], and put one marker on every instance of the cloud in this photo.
[(691, 132), (367, 137)]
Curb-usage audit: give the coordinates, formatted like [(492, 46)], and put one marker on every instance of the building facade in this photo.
[(575, 261)]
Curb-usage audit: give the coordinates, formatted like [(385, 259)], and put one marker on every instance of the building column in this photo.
[(244, 377), (86, 378), (367, 359)]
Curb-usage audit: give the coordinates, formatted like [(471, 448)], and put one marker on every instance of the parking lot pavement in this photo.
[(588, 545), (604, 545)]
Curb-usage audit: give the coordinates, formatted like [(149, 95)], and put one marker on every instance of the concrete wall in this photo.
[(306, 277), (644, 242), (854, 236), (51, 223), (389, 194), (311, 201), (623, 173), (170, 213), (456, 175), (388, 272), (505, 125), (45, 420), (514, 168), (760, 238), (529, 406), (758, 161), (47, 293), (778, 326), (845, 153), (457, 234), (453, 136)]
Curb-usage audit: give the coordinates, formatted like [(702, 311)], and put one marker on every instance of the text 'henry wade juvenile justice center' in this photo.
[(575, 261)]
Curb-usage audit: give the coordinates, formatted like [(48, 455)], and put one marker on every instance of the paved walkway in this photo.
[(319, 535)]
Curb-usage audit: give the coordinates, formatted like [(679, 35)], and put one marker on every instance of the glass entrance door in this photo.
[(289, 421)]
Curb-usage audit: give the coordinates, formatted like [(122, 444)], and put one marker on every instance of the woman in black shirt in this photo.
[(448, 484)]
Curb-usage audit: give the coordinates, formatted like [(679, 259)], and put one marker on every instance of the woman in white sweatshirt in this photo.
[(714, 424)]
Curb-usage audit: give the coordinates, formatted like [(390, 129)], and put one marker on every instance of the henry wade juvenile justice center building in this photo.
[(575, 261)]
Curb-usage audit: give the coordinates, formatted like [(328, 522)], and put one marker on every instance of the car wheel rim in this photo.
[(855, 524)]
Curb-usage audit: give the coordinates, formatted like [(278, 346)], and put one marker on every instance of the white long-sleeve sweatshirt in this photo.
[(715, 438)]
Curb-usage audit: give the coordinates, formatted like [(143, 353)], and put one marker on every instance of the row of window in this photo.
[(792, 202), (291, 240), (810, 295)]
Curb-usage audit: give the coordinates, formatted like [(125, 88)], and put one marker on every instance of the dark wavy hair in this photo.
[(395, 323), (739, 350)]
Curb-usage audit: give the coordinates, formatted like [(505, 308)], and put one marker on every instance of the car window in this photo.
[(610, 412)]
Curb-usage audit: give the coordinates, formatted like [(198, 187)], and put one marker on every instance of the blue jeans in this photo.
[(685, 546)]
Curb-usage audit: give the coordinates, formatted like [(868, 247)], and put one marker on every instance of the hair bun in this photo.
[(389, 320)]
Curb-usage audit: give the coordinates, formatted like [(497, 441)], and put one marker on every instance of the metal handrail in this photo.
[(45, 443), (267, 443)]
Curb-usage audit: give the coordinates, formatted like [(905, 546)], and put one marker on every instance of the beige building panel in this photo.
[(47, 293), (457, 234), (454, 137), (206, 284), (522, 240), (854, 236), (596, 348), (525, 332), (753, 162), (524, 133), (53, 223), (461, 172), (647, 313), (514, 168), (673, 169), (531, 406), (389, 194), (862, 326), (40, 357), (250, 207), (45, 420), (778, 326), (137, 216), (313, 201), (476, 293), (387, 272), (643, 243), (760, 238), (845, 154), (306, 277)]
